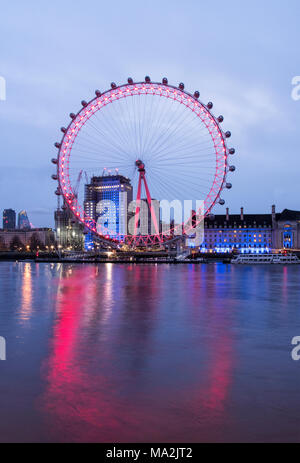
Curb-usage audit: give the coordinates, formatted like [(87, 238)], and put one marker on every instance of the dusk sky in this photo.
[(240, 56)]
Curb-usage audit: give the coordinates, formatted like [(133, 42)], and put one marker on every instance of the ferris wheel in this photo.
[(161, 139)]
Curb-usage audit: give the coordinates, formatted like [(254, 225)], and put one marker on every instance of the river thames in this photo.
[(149, 353)]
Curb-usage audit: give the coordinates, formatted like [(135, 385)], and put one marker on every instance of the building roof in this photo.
[(288, 215), (251, 220), (108, 179), (235, 221)]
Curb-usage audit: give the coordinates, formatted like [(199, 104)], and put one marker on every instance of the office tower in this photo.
[(106, 202), (9, 219), (23, 221), (69, 232)]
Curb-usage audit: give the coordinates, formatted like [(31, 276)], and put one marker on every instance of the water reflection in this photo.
[(26, 288), (123, 353), (117, 355), (74, 399)]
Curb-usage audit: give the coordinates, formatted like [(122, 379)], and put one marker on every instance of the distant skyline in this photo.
[(242, 57)]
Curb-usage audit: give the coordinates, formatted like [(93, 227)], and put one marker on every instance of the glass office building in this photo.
[(23, 221), (9, 219), (106, 202)]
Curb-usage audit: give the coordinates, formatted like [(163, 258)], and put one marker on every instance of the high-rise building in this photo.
[(106, 202), (69, 232), (23, 221), (147, 226), (9, 219)]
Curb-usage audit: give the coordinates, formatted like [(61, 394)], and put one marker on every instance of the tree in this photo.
[(2, 244), (35, 243), (16, 244)]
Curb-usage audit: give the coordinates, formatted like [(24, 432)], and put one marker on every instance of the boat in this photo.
[(247, 259), (285, 259)]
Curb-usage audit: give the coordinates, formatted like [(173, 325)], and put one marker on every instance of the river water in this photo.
[(149, 353)]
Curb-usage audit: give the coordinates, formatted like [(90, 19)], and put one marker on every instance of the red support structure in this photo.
[(141, 168), (138, 205), (152, 211)]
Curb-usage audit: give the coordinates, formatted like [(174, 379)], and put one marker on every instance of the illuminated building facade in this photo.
[(252, 233), (287, 229), (106, 202)]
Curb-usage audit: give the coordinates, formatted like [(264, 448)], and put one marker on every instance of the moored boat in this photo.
[(247, 259)]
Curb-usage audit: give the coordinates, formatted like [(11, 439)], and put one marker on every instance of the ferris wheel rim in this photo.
[(88, 109)]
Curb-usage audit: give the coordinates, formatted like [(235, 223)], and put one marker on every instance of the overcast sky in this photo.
[(241, 57)]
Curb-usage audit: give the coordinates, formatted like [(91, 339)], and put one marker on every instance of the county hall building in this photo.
[(252, 233)]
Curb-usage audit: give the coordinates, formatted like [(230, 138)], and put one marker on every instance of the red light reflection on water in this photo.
[(86, 400), (73, 401)]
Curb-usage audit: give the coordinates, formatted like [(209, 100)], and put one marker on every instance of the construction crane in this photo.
[(76, 188), (74, 195)]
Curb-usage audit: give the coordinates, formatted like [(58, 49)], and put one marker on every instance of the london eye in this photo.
[(160, 140)]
